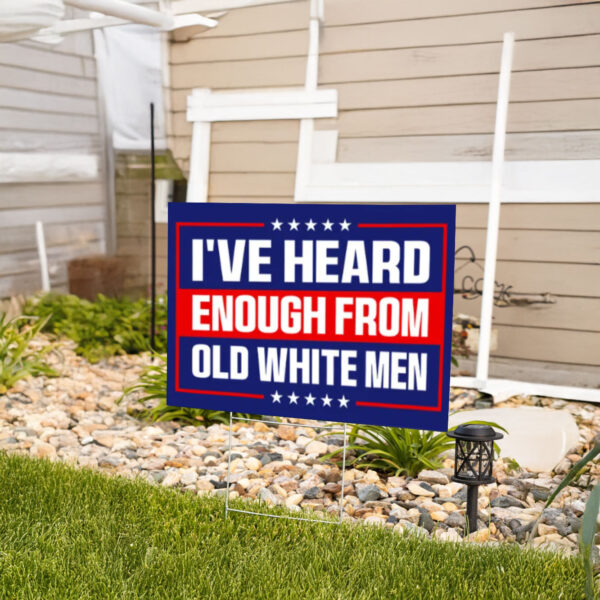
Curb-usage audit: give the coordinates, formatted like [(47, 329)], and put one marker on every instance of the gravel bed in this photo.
[(76, 418)]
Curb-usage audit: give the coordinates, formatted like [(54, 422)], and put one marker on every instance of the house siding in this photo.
[(49, 104), (418, 82)]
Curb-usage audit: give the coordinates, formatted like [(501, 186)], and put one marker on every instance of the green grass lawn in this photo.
[(67, 533)]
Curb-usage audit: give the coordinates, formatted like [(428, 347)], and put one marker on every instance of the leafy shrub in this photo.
[(105, 327), (17, 359), (153, 384), (398, 451)]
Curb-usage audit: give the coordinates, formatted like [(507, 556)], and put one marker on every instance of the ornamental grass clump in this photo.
[(102, 328), (395, 451), (153, 387), (18, 359)]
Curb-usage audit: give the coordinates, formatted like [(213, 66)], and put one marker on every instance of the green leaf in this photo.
[(586, 541), (574, 472)]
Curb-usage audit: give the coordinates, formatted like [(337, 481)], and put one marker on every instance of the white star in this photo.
[(310, 225), (343, 402), (345, 225), (293, 398), (277, 224), (327, 225), (276, 397), (326, 400), (294, 225), (310, 399)]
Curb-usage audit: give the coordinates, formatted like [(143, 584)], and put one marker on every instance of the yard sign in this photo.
[(339, 313)]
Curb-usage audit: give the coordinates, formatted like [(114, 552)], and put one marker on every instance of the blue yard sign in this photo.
[(340, 313)]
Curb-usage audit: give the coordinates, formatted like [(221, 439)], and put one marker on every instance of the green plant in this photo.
[(511, 465), (395, 451), (590, 515), (17, 359), (398, 451), (105, 327), (153, 385)]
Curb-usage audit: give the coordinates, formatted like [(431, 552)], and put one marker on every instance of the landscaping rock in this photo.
[(369, 492), (74, 418), (538, 438), (42, 450), (433, 477), (455, 519), (507, 502), (316, 447), (313, 493), (425, 520), (420, 488)]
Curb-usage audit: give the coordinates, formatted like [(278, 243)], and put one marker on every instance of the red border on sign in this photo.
[(437, 408)]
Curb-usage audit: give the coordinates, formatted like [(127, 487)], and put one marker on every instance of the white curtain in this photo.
[(129, 68)]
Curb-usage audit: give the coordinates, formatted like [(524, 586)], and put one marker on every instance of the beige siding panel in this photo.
[(572, 145), (134, 208), (179, 99), (245, 47), (11, 118), (537, 245), (181, 147), (254, 158), (558, 84), (22, 238), (549, 345), (464, 29), (25, 99), (251, 184), (56, 214), (566, 115), (271, 72), (347, 12), (574, 217), (47, 82), (49, 104), (553, 84), (253, 200), (568, 313), (261, 19), (256, 131), (565, 279), (44, 141), (140, 229), (19, 55), (23, 261), (443, 61), (44, 195)]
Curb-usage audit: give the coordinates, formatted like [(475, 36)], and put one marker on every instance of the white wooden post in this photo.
[(197, 190), (491, 244), (305, 139), (41, 248)]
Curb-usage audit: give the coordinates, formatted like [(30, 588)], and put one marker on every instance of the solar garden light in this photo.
[(473, 459)]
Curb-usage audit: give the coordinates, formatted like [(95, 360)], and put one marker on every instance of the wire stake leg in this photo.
[(228, 464)]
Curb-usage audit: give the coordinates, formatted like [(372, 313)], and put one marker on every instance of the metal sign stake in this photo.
[(228, 509)]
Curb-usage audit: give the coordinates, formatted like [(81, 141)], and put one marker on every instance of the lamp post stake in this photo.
[(473, 461)]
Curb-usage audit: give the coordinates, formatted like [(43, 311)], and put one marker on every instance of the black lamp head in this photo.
[(474, 453)]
